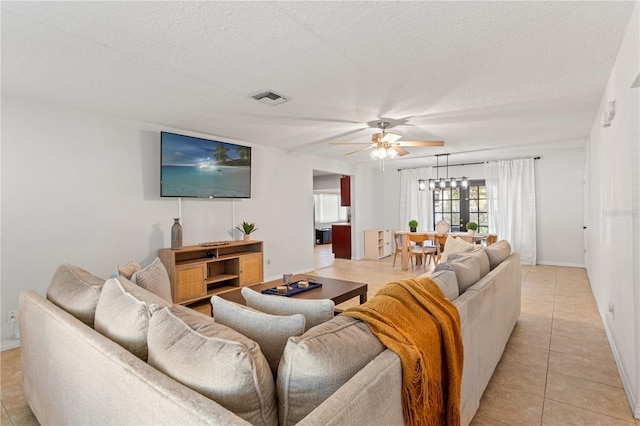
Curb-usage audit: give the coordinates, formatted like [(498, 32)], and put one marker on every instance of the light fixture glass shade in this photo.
[(432, 184), (443, 183), (453, 183), (391, 153), (465, 182), (422, 184)]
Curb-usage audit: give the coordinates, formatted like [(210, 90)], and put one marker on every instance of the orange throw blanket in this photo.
[(414, 319)]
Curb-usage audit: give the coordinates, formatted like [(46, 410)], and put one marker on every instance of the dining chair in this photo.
[(421, 249), (398, 240), (491, 239)]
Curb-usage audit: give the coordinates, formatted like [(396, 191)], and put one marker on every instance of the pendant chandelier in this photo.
[(442, 183)]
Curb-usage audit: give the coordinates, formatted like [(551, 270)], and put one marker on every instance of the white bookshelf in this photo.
[(377, 243)]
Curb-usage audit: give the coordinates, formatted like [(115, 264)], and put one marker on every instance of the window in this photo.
[(458, 206), (327, 208)]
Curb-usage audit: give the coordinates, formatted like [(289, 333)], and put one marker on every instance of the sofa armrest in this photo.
[(372, 396), (74, 375)]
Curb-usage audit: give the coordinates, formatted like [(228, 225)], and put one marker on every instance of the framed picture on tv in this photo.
[(203, 168)]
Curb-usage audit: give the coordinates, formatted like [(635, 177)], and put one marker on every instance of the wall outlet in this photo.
[(12, 316)]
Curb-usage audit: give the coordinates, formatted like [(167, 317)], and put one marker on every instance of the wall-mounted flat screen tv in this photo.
[(203, 168)]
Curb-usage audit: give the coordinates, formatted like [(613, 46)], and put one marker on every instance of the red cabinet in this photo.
[(345, 191), (341, 241)]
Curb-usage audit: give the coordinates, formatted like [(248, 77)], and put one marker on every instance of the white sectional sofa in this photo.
[(172, 365)]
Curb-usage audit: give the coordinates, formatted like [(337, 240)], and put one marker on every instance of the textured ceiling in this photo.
[(482, 76)]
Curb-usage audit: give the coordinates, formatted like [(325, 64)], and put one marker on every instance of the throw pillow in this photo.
[(155, 279), (126, 269), (498, 252), (480, 254), (455, 245), (76, 291), (271, 332), (123, 314), (214, 360), (446, 280), (467, 271), (314, 311), (319, 362)]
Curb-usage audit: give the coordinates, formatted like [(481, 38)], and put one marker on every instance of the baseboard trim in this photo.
[(565, 264), (634, 404), (5, 345)]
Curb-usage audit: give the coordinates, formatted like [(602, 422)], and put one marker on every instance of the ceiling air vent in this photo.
[(269, 98)]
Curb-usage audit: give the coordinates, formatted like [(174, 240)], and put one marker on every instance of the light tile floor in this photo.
[(557, 368)]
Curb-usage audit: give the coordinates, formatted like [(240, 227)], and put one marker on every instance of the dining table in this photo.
[(433, 236)]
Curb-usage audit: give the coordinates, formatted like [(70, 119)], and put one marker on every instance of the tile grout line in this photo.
[(546, 378)]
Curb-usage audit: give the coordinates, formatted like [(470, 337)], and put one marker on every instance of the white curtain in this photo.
[(415, 204), (511, 193)]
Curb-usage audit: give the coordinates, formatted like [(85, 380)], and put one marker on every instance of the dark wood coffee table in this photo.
[(337, 290)]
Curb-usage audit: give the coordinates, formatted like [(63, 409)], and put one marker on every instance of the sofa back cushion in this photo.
[(214, 360), (498, 252), (123, 314), (447, 281), (76, 291), (271, 332), (314, 311), (319, 362)]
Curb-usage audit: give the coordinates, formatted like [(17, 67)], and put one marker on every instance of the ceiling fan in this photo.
[(386, 144)]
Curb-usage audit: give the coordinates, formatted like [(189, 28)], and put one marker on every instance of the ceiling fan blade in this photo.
[(401, 151), (390, 137), (361, 149), (349, 143), (421, 143)]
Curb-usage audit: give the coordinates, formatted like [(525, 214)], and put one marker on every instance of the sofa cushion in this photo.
[(447, 281), (467, 271), (123, 314), (155, 279), (454, 245), (271, 332), (215, 361), (480, 254), (76, 291), (126, 269), (498, 252), (314, 311), (319, 362)]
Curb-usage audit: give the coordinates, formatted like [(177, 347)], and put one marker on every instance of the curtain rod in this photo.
[(463, 164)]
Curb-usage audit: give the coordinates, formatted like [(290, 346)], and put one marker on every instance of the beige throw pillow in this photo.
[(214, 360), (455, 245), (123, 314), (271, 332), (315, 311), (319, 362), (478, 253), (155, 279), (76, 291)]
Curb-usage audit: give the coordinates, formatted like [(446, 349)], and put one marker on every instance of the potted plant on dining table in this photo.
[(413, 225), (472, 227)]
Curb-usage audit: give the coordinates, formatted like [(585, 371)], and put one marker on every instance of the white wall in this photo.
[(83, 188), (560, 208), (613, 193)]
